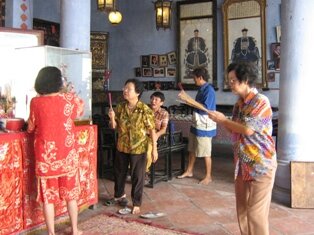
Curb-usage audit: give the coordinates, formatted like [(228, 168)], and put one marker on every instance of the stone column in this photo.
[(296, 125), (75, 24)]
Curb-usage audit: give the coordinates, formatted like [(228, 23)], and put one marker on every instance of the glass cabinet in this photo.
[(75, 66)]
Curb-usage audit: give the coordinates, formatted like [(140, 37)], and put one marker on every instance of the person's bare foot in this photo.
[(78, 232), (136, 210), (205, 181), (185, 175)]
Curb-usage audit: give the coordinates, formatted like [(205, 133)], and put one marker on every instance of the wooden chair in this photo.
[(168, 144), (106, 145), (157, 175), (177, 144)]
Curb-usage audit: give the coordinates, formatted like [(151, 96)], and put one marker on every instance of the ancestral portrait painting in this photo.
[(196, 33), (244, 35)]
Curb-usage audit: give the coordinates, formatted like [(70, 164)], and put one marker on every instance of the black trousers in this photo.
[(137, 164)]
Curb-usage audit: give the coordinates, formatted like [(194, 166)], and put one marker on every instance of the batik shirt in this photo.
[(133, 126), (52, 120), (161, 119), (254, 155)]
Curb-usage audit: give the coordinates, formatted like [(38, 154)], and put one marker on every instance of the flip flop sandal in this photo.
[(152, 215), (125, 211)]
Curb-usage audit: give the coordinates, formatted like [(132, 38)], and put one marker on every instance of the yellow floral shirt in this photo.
[(133, 126)]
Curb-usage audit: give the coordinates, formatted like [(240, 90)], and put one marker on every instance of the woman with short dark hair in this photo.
[(133, 119), (254, 148), (51, 119)]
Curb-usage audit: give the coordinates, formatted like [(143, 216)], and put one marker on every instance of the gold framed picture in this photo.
[(163, 62), (244, 35), (197, 40), (171, 72), (158, 72)]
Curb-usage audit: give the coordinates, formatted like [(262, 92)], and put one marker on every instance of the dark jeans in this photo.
[(137, 164)]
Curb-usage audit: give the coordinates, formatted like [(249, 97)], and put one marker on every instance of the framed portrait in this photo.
[(171, 72), (275, 52), (244, 35), (172, 57), (151, 85), (147, 72), (273, 80), (138, 72), (158, 72), (145, 61), (197, 40), (154, 60), (270, 65), (51, 31), (146, 85), (163, 61)]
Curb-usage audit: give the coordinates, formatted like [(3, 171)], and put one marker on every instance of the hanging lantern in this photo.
[(163, 14), (115, 17), (105, 5)]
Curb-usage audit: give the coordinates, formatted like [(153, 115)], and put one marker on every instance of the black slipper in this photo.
[(110, 202)]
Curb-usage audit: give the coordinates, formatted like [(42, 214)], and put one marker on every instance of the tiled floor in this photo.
[(206, 209)]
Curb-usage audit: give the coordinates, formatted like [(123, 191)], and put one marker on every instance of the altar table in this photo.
[(19, 210)]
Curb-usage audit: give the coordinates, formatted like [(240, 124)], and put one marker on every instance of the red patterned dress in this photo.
[(51, 119)]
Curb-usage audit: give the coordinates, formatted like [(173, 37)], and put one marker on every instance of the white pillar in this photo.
[(75, 24), (296, 125)]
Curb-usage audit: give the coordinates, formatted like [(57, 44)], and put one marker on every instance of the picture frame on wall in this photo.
[(163, 62), (171, 72), (275, 51), (51, 31), (145, 61), (138, 72), (271, 65), (197, 40), (172, 57), (158, 72), (154, 60), (244, 36), (147, 72)]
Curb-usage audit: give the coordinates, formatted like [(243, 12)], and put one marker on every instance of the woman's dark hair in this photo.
[(48, 80), (139, 86), (245, 72), (158, 94), (200, 72)]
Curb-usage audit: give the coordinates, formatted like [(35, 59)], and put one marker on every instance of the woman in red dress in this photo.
[(52, 115)]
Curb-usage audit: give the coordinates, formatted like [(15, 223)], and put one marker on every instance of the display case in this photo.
[(74, 64)]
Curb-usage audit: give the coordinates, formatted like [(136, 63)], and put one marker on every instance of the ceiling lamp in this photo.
[(105, 5), (115, 17), (163, 13)]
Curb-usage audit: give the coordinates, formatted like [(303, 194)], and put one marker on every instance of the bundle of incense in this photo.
[(189, 100), (110, 101)]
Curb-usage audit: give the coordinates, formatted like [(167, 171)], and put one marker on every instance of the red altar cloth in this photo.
[(18, 207)]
